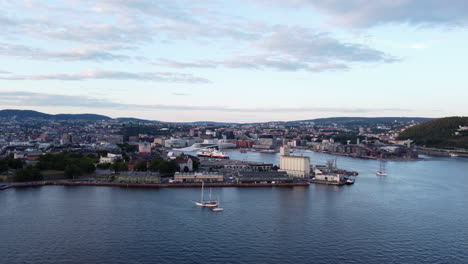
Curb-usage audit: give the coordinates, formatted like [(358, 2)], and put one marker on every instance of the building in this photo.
[(285, 151), (192, 132), (332, 178), (297, 166), (111, 158), (262, 177), (66, 139), (144, 147), (181, 142), (138, 177), (266, 142), (185, 164), (198, 177), (246, 166)]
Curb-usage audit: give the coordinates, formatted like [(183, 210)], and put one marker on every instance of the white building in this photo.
[(297, 166), (111, 158), (328, 177)]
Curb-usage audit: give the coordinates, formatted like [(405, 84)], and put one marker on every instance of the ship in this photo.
[(212, 153)]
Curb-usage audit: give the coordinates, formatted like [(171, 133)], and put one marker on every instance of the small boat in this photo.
[(349, 181), (203, 203), (217, 208), (453, 155), (381, 171)]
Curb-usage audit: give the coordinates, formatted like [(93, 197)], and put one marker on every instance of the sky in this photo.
[(235, 61)]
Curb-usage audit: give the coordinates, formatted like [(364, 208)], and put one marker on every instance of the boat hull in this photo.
[(206, 204)]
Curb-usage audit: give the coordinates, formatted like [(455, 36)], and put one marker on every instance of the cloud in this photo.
[(96, 53), (296, 48), (363, 13), (26, 99), (123, 21), (116, 23), (111, 75), (309, 45)]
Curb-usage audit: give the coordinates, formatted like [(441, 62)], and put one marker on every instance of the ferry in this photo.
[(212, 153)]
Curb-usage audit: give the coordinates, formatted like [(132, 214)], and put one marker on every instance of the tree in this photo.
[(15, 163), (196, 165), (72, 170), (28, 174), (186, 169), (141, 166), (104, 166), (3, 166), (155, 164), (119, 166)]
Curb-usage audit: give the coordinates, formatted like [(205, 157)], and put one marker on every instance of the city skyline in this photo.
[(242, 61)]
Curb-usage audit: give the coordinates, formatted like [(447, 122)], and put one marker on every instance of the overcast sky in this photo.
[(242, 61)]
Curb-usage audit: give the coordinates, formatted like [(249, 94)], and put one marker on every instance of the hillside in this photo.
[(26, 114), (439, 133)]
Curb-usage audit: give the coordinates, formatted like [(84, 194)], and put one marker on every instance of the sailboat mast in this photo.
[(202, 183)]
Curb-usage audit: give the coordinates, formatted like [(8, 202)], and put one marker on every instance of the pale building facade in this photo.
[(297, 166)]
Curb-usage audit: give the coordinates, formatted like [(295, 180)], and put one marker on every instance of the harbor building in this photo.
[(138, 177), (296, 166), (198, 177), (262, 177)]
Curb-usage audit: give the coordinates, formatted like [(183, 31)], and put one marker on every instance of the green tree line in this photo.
[(439, 133)]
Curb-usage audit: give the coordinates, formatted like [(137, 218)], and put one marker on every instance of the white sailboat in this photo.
[(217, 208), (202, 202), (381, 171)]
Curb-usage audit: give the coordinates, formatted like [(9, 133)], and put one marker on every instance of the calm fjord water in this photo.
[(417, 214)]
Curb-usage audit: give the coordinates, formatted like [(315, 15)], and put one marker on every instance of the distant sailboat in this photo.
[(202, 202), (381, 171)]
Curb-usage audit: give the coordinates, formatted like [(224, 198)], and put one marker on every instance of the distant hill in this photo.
[(357, 121), (25, 114), (136, 120), (21, 114), (439, 133), (365, 120)]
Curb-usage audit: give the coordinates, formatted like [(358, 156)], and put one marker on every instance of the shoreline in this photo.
[(152, 185), (340, 154)]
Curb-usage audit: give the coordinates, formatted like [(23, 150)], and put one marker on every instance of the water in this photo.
[(417, 214)]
